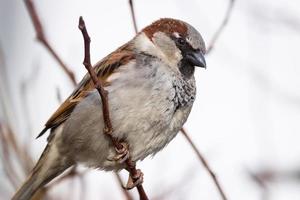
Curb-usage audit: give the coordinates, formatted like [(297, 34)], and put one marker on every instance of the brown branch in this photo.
[(83, 187), (125, 192), (6, 154), (261, 178), (205, 164), (133, 16), (11, 147), (21, 152), (58, 95), (221, 27), (177, 187), (73, 172), (196, 150), (42, 38), (108, 130), (216, 35), (40, 35)]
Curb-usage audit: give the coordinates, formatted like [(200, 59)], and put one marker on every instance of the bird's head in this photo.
[(174, 42)]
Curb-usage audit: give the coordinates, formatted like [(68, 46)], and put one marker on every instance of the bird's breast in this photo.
[(150, 107)]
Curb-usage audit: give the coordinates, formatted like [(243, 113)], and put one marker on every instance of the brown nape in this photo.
[(167, 26)]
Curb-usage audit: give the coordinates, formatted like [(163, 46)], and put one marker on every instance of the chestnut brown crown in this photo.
[(184, 36), (167, 26)]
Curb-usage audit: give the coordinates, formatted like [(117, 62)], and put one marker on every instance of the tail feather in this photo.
[(50, 165), (27, 190)]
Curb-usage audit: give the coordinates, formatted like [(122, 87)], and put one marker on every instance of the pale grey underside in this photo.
[(148, 106)]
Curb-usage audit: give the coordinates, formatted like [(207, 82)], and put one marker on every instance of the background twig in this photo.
[(133, 15), (125, 192), (7, 165), (221, 27), (40, 35), (205, 164), (216, 35), (42, 38), (196, 150)]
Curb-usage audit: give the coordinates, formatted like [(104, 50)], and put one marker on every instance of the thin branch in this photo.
[(58, 95), (205, 164), (177, 187), (73, 172), (40, 35), (98, 85), (221, 27), (42, 38), (261, 179), (21, 152), (125, 192), (133, 15), (26, 85), (7, 163), (83, 186), (209, 49), (108, 130), (216, 35)]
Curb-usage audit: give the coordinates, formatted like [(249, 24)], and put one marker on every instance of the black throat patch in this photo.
[(186, 69)]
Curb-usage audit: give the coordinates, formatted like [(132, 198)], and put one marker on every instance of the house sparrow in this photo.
[(151, 90)]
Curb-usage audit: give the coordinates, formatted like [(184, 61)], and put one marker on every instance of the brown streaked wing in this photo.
[(104, 69)]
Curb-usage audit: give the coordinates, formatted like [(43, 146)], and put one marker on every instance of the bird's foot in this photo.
[(122, 153), (135, 180)]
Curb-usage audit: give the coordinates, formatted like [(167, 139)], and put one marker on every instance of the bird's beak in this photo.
[(196, 58)]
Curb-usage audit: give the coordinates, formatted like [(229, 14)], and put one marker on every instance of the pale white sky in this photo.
[(246, 115)]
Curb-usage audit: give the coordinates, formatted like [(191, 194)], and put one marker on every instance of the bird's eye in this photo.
[(181, 41)]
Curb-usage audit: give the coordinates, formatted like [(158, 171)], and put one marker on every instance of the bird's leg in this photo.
[(136, 176), (122, 153), (134, 180)]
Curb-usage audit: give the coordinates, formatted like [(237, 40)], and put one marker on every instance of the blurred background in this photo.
[(245, 121)]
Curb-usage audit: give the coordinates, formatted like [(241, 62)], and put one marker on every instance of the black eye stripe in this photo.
[(181, 41), (183, 44)]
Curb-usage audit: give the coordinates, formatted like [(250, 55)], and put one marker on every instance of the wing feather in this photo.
[(104, 69)]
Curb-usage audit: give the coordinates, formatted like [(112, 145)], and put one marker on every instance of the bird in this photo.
[(151, 90)]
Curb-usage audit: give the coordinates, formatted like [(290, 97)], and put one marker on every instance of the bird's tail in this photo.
[(50, 165)]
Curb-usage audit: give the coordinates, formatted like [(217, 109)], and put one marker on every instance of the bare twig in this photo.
[(11, 147), (58, 95), (42, 38), (7, 163), (83, 186), (216, 35), (12, 150), (262, 179), (209, 48), (177, 187), (221, 27), (73, 172), (133, 15), (26, 85), (98, 85), (196, 150), (40, 35), (125, 192), (108, 130), (21, 152), (205, 164)]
